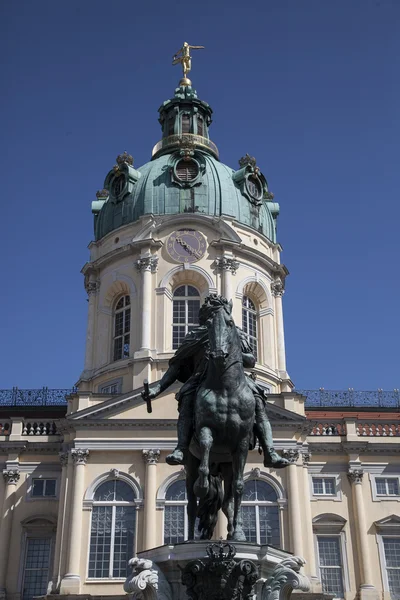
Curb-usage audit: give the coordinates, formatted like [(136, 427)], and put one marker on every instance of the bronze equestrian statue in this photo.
[(221, 412)]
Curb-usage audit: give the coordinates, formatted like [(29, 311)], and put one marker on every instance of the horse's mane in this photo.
[(212, 303)]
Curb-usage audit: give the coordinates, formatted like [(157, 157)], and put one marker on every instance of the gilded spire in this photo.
[(183, 57)]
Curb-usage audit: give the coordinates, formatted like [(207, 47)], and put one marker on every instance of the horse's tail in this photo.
[(207, 510)]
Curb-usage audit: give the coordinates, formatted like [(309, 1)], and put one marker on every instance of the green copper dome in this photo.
[(185, 176)]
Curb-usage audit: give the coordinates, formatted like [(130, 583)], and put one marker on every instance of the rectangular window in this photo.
[(36, 568), (330, 565), (387, 486), (324, 486), (43, 488), (185, 123), (392, 559), (111, 388)]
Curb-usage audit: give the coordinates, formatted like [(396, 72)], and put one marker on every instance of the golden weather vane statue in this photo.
[(183, 57)]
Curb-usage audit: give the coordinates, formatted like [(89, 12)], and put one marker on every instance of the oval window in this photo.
[(187, 170), (254, 187)]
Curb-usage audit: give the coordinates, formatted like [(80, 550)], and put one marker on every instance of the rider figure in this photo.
[(189, 365)]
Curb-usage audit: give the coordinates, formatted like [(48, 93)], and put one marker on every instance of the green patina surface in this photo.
[(217, 191)]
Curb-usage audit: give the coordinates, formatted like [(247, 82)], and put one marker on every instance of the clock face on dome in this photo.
[(186, 245)]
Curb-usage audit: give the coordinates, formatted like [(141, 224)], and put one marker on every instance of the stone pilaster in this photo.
[(151, 458), (70, 583), (228, 267), (11, 478), (92, 286), (366, 591), (146, 265), (278, 289), (60, 520), (309, 550), (295, 517)]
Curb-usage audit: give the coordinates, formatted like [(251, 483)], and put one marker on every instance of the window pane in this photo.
[(105, 492), (380, 486), (265, 492), (123, 492), (329, 486), (249, 492), (318, 487), (269, 525), (192, 291), (38, 487), (50, 487), (174, 524), (36, 571), (100, 542), (176, 491), (393, 487), (193, 311), (180, 291), (330, 566), (119, 321), (118, 348), (249, 523), (125, 520), (392, 552)]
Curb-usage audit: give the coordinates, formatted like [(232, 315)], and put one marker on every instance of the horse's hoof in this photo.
[(201, 491)]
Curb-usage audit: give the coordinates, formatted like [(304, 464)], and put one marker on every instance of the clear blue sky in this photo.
[(309, 87)]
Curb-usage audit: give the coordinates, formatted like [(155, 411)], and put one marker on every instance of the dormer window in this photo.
[(254, 187), (187, 170)]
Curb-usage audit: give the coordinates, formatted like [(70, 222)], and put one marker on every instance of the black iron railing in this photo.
[(357, 398), (38, 397), (314, 398)]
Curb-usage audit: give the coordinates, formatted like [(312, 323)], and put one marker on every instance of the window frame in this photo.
[(384, 497), (186, 299), (110, 383), (317, 472), (36, 527), (167, 503), (324, 494), (245, 324), (332, 525), (280, 502), (52, 476), (342, 566), (116, 311), (382, 556), (89, 503)]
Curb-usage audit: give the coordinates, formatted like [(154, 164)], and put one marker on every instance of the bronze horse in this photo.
[(223, 426)]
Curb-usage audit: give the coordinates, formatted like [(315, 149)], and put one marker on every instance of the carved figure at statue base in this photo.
[(221, 414)]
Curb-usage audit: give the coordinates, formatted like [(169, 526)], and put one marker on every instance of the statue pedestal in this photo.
[(215, 571)]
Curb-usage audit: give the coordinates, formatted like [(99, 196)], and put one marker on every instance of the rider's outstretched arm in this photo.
[(169, 377)]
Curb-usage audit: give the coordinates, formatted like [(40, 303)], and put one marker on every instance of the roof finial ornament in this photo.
[(183, 57)]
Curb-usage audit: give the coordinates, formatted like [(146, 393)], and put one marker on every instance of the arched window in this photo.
[(122, 328), (260, 513), (112, 535), (185, 123), (200, 125), (175, 516), (249, 322), (186, 306)]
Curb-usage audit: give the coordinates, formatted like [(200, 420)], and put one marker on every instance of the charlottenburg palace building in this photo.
[(85, 484)]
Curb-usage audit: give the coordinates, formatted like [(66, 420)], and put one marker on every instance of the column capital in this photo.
[(225, 263), (278, 287), (63, 458), (147, 263), (355, 475), (306, 458), (291, 455), (92, 287), (151, 457), (11, 476), (79, 456)]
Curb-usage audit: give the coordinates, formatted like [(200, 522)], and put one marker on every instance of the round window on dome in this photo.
[(187, 170), (254, 187)]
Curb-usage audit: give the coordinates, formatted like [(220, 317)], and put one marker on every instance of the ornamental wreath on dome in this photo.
[(122, 159), (248, 160), (100, 194), (187, 147)]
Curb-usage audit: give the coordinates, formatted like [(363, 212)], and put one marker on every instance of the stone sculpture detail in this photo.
[(146, 581), (220, 577), (284, 579)]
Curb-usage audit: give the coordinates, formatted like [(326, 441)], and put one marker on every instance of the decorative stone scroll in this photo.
[(221, 577), (284, 579), (79, 456), (11, 476), (146, 581), (355, 475), (223, 263), (291, 455), (147, 263), (63, 458), (151, 457), (92, 287), (278, 288)]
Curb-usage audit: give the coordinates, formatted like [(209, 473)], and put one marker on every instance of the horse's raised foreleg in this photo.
[(202, 484), (228, 501), (238, 463), (192, 466)]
